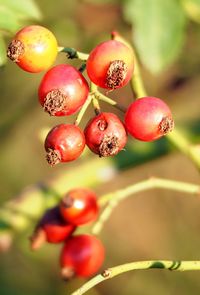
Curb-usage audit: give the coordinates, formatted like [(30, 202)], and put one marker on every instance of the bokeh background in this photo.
[(157, 224)]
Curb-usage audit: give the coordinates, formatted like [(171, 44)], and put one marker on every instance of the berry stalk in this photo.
[(73, 53)]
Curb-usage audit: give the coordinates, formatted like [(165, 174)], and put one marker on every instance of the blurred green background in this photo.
[(152, 225)]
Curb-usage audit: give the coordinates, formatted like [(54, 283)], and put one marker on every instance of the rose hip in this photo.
[(105, 135), (148, 118)]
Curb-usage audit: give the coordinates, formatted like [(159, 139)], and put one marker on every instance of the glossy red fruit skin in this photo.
[(37, 48), (101, 57), (70, 84), (81, 256), (102, 127), (79, 206), (66, 142), (51, 228), (56, 229), (148, 118)]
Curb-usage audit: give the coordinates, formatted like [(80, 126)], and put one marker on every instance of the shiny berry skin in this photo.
[(63, 90), (64, 143), (52, 229), (34, 49), (79, 206), (110, 64), (81, 256), (105, 135), (148, 118)]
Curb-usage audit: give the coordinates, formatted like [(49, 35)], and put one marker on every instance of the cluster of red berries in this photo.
[(64, 90), (82, 255)]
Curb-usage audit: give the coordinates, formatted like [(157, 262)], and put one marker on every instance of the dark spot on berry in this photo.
[(109, 146), (116, 74), (55, 101), (53, 157), (166, 125), (15, 50)]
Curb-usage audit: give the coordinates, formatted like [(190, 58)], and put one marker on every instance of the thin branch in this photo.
[(140, 265), (83, 110), (113, 199), (110, 101)]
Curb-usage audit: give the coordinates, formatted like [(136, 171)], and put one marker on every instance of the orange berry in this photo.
[(34, 49)]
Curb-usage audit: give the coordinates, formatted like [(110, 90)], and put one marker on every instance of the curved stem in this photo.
[(139, 265), (73, 53), (113, 199)]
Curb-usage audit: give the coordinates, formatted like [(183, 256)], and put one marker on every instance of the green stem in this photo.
[(139, 265), (93, 91), (110, 101), (83, 110), (113, 199), (73, 53), (182, 144)]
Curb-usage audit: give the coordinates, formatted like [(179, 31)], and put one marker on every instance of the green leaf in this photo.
[(22, 8), (192, 8), (158, 30), (2, 51), (8, 20)]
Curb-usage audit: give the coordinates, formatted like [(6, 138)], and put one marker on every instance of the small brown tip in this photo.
[(15, 50), (37, 239), (109, 146), (55, 101), (166, 125), (53, 157), (116, 74), (114, 34), (67, 273)]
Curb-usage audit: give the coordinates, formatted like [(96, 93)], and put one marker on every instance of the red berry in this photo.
[(63, 90), (79, 206), (51, 228), (64, 143), (81, 256), (148, 118), (110, 64), (105, 135), (34, 49)]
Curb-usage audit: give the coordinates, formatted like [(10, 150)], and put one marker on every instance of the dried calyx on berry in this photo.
[(64, 143), (81, 256), (105, 135), (110, 64), (148, 118), (51, 228), (63, 90), (34, 49)]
